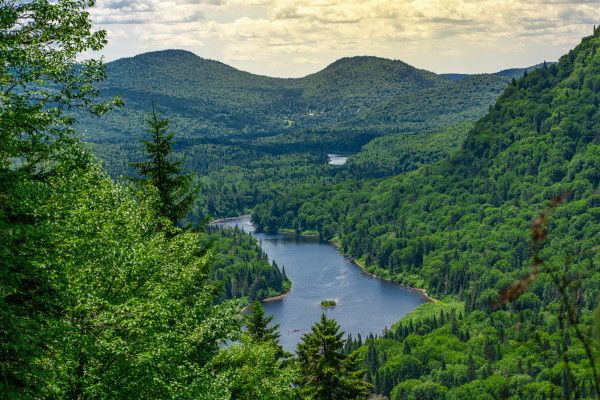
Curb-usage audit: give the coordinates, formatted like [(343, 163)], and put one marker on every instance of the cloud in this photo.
[(150, 12), (271, 32)]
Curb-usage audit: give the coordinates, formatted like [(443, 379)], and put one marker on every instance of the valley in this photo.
[(365, 304), (172, 227)]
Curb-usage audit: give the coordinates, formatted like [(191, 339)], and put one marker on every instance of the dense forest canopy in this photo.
[(105, 294), (460, 228), (249, 134), (101, 296)]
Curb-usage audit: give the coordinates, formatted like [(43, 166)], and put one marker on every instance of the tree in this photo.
[(325, 372), (258, 325), (176, 191), (255, 371), (42, 75)]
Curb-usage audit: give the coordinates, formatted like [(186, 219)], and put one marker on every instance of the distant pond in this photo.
[(364, 304), (336, 159)]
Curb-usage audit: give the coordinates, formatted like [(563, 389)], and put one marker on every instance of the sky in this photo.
[(288, 38)]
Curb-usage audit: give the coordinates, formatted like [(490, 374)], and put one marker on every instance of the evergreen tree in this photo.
[(258, 325), (325, 373), (471, 368), (176, 191), (372, 360)]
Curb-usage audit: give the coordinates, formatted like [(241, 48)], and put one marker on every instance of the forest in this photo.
[(462, 229), (260, 134), (114, 286)]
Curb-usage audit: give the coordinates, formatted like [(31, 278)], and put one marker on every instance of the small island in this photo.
[(328, 303)]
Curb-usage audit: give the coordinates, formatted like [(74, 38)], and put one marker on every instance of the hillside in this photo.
[(230, 124), (460, 228), (212, 104), (209, 98)]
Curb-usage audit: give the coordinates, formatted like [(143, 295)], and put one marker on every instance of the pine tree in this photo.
[(325, 373), (284, 274), (471, 369), (406, 348), (372, 360), (257, 325), (176, 191)]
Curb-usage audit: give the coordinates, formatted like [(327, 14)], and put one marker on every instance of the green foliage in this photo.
[(254, 371), (328, 303), (325, 372), (459, 228), (176, 191), (99, 296), (241, 266), (36, 87), (257, 325), (138, 321)]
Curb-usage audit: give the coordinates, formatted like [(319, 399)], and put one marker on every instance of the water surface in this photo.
[(318, 271), (336, 159)]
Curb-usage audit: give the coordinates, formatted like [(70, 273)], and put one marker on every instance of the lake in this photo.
[(318, 271), (336, 159)]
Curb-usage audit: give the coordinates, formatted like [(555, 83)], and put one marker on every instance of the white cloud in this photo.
[(263, 34)]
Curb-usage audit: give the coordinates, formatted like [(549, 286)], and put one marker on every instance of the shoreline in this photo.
[(221, 220), (278, 297), (364, 270), (269, 299)]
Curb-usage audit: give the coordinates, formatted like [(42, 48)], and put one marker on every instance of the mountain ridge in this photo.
[(334, 64), (209, 98), (220, 110)]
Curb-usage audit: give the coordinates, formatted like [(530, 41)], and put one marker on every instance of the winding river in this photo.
[(318, 271)]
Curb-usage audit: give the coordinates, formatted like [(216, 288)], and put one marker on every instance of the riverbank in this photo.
[(359, 263), (305, 234), (223, 220), (276, 297), (319, 271), (269, 299), (365, 270)]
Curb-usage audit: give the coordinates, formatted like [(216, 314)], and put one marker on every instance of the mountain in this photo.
[(506, 73), (210, 98), (508, 226), (224, 116)]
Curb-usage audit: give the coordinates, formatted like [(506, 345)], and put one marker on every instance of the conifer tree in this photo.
[(176, 191), (325, 372), (471, 368), (257, 324), (372, 360)]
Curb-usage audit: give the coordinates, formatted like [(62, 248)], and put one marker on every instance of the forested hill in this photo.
[(230, 124), (208, 99), (461, 228), (539, 140)]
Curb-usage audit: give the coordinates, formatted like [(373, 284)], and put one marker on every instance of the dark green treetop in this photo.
[(325, 372), (176, 191), (257, 324)]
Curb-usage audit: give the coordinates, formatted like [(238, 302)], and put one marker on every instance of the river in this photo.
[(318, 271)]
